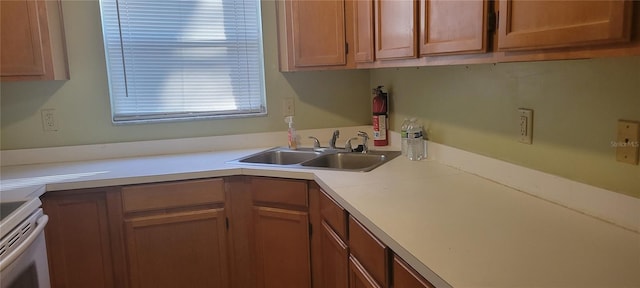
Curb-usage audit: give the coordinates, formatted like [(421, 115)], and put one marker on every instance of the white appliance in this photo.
[(23, 253)]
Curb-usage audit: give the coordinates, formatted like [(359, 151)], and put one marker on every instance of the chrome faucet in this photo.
[(347, 146), (316, 142), (332, 142), (365, 138)]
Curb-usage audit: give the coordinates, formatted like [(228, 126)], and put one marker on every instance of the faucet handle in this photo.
[(348, 146), (316, 142), (365, 138)]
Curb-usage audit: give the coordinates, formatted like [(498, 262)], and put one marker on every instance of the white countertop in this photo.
[(455, 228)]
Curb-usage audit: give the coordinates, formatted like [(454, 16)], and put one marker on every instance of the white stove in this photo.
[(23, 254)]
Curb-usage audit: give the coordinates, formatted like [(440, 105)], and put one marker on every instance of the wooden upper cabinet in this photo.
[(312, 33), (396, 34), (33, 45), (453, 26), (526, 24), (363, 31)]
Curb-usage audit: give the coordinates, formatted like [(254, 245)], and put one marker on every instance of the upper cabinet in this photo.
[(33, 44), (406, 33), (396, 33), (526, 24), (311, 34), (363, 31), (453, 27)]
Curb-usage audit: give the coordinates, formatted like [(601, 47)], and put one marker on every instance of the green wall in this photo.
[(322, 99), (576, 107)]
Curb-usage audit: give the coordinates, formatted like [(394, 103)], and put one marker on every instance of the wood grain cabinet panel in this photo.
[(526, 24), (282, 248), (363, 31), (176, 234), (185, 249), (453, 27), (311, 33), (335, 259), (396, 29), (281, 235), (405, 277), (33, 44), (369, 251), (83, 246), (359, 277)]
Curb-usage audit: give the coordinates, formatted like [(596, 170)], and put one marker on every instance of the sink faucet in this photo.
[(316, 142), (332, 142), (365, 138)]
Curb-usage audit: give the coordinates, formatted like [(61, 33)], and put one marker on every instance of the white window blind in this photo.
[(183, 59)]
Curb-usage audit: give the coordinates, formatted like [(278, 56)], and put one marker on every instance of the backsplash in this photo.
[(576, 107)]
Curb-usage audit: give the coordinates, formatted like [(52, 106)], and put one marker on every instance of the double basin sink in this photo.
[(333, 159)]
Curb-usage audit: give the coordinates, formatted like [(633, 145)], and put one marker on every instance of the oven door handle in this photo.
[(40, 224)]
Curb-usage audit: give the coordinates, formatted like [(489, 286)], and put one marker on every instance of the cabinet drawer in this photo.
[(147, 197), (334, 215), (370, 252), (279, 192), (405, 276)]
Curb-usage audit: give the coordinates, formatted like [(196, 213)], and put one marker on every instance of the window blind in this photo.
[(183, 59)]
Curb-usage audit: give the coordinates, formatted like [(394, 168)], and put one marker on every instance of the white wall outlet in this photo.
[(49, 120), (288, 108), (525, 120)]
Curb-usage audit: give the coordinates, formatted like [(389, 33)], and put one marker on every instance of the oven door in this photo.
[(24, 262)]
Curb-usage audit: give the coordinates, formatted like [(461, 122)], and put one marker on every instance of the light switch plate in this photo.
[(628, 142), (525, 120)]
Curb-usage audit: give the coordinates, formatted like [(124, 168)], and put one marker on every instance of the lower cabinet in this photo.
[(281, 226), (239, 231), (405, 277), (83, 240), (176, 243), (368, 256)]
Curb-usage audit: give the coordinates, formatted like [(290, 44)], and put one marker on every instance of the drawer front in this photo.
[(279, 192), (334, 215), (405, 276), (147, 197), (370, 252)]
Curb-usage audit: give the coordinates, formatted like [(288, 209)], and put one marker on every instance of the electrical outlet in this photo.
[(628, 142), (288, 108), (525, 120), (49, 120)]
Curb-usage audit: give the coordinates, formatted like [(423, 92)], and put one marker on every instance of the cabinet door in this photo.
[(448, 27), (282, 248), (359, 277), (395, 25), (335, 259), (316, 32), (526, 24), (363, 30), (405, 277), (185, 249), (371, 254), (22, 47), (80, 246)]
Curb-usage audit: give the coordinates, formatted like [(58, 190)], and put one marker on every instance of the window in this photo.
[(183, 59)]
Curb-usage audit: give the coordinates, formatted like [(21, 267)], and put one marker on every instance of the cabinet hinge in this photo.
[(346, 48), (226, 222)]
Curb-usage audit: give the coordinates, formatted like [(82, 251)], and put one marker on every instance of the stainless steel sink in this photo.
[(318, 159), (350, 161), (281, 156)]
